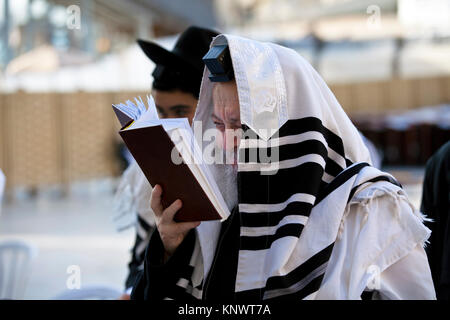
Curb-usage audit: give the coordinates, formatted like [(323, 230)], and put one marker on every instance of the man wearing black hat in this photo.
[(178, 73), (175, 89)]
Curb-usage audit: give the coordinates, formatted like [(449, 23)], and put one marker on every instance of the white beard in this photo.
[(226, 179)]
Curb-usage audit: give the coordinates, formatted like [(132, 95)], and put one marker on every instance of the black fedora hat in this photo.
[(188, 52)]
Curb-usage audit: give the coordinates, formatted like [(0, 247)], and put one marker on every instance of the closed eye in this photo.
[(219, 125)]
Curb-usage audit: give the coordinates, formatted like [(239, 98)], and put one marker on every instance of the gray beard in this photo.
[(226, 179)]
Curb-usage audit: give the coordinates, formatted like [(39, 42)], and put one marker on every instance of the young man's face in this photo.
[(175, 104)]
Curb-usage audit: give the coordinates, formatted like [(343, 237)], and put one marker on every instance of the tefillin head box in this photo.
[(218, 62)]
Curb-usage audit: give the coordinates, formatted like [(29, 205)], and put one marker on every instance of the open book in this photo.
[(167, 153)]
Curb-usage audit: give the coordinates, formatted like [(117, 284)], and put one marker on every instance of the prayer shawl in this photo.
[(291, 220)]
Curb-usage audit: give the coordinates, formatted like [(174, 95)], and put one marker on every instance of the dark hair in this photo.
[(184, 79)]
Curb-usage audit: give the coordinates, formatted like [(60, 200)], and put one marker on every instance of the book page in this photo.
[(138, 110), (201, 172), (168, 124), (151, 113)]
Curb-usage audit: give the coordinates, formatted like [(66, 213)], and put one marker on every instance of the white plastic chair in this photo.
[(15, 267), (91, 292)]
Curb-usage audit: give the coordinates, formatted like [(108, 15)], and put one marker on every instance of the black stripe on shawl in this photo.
[(269, 219), (298, 126), (180, 293), (302, 271), (141, 253), (286, 182), (288, 152), (376, 179), (285, 152), (348, 162), (144, 224), (186, 271), (257, 294), (332, 168), (138, 257), (340, 180), (298, 274), (265, 242), (311, 287)]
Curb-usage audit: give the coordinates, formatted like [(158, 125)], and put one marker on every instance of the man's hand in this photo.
[(172, 233)]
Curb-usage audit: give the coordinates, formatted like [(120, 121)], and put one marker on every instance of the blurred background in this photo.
[(63, 63)]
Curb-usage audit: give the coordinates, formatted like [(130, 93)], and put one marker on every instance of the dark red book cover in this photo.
[(152, 147)]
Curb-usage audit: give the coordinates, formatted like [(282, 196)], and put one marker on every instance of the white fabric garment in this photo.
[(381, 233), (374, 153), (132, 198)]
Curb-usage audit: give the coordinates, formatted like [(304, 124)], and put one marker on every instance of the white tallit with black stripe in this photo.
[(289, 220)]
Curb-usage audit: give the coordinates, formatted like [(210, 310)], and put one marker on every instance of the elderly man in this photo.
[(312, 219)]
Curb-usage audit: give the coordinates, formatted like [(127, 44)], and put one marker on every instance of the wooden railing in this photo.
[(58, 138)]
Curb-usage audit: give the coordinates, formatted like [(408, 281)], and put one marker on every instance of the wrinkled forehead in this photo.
[(224, 93)]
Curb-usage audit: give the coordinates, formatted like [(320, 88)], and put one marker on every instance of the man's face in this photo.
[(226, 115), (175, 104)]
